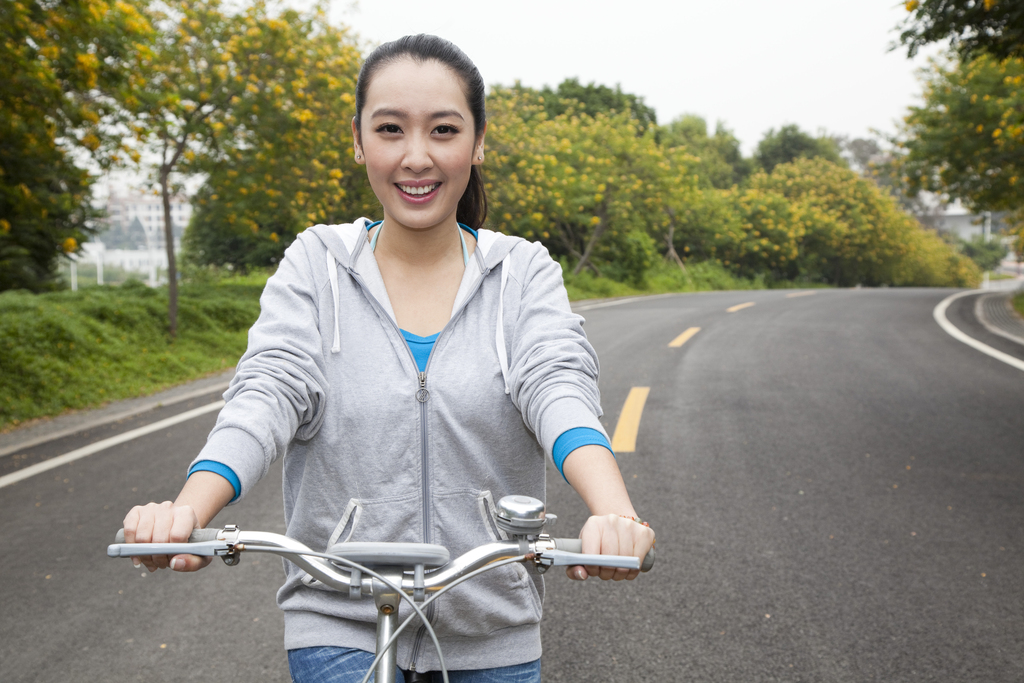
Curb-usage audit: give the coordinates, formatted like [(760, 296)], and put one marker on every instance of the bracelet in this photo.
[(637, 520)]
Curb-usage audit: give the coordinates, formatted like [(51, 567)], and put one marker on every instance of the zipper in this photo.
[(422, 396)]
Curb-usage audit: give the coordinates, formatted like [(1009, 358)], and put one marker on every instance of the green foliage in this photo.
[(64, 66), (67, 350), (967, 140), (595, 99), (987, 255), (720, 162), (1018, 303), (854, 233), (660, 278), (971, 26), (790, 143), (584, 185), (288, 162)]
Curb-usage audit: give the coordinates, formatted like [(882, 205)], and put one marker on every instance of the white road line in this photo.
[(940, 317), (616, 302), (39, 467), (108, 419)]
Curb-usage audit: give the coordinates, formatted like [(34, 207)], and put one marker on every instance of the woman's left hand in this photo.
[(612, 535)]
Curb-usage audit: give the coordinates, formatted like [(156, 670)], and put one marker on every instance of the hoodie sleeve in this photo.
[(279, 388), (553, 369)]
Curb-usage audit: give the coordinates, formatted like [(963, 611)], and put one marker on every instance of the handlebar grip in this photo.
[(198, 535), (575, 545)]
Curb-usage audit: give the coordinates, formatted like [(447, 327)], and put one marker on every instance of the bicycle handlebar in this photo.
[(545, 551)]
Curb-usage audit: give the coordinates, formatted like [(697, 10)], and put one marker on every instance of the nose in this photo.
[(417, 154)]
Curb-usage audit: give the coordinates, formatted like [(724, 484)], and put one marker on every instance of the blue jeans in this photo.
[(348, 665)]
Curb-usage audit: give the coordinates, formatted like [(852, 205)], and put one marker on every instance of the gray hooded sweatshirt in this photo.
[(375, 450)]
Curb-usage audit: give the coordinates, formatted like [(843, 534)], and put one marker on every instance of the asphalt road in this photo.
[(836, 485)]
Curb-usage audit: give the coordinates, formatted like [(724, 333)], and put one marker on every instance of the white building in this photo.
[(135, 220)]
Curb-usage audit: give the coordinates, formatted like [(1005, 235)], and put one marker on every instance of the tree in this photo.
[(587, 186), (790, 143), (967, 139), (288, 163), (973, 27), (988, 255), (64, 65), (203, 87), (853, 232), (595, 99), (722, 164)]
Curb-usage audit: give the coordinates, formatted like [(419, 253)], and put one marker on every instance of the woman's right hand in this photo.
[(163, 523)]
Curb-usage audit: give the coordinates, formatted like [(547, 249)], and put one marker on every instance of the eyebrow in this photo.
[(398, 113)]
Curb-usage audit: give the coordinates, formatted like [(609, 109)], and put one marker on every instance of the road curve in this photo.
[(836, 485)]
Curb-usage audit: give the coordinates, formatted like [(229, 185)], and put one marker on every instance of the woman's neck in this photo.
[(419, 248)]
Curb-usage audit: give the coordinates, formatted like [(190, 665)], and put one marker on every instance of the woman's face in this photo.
[(417, 142)]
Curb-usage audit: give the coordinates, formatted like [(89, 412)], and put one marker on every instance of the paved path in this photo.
[(836, 485)]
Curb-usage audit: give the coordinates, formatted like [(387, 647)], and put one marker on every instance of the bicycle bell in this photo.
[(520, 515)]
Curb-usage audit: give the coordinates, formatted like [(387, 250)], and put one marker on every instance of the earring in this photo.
[(359, 156), (481, 157)]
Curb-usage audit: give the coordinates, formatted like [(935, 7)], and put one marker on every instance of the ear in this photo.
[(478, 149), (357, 144)]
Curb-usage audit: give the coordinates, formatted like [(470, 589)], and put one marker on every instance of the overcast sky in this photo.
[(754, 64)]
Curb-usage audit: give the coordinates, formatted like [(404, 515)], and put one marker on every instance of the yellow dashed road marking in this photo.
[(796, 294), (684, 337), (739, 307), (624, 439)]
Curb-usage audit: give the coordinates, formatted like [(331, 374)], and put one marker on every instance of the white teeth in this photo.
[(417, 190)]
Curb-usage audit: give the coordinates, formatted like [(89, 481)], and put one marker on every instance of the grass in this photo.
[(664, 278), (1018, 303), (71, 350)]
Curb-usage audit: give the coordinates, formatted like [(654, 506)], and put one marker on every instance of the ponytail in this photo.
[(472, 209)]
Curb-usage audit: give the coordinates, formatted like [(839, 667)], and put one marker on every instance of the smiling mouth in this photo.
[(417, 191)]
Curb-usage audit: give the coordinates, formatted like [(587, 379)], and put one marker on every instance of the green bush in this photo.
[(661, 278), (66, 350)]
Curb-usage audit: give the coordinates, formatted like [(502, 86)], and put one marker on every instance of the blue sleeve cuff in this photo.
[(221, 469), (570, 440)]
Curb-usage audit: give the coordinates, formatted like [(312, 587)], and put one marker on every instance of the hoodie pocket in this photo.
[(381, 519), (499, 598)]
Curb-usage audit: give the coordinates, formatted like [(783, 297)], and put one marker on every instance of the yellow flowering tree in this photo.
[(849, 231), (588, 186), (967, 139), (972, 26), (64, 68), (289, 161)]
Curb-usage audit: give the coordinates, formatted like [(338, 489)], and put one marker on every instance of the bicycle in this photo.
[(392, 572)]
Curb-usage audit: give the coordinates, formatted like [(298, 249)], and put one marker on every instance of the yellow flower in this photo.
[(70, 245), (911, 5)]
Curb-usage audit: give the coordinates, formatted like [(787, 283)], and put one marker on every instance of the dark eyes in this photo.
[(392, 129)]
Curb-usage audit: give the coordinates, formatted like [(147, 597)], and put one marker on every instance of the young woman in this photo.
[(410, 372)]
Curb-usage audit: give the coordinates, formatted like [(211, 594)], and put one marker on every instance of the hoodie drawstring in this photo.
[(332, 273), (499, 335)]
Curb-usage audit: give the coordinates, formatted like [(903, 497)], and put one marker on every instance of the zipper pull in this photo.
[(423, 395)]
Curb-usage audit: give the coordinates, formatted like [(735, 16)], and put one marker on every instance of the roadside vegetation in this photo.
[(627, 204), (67, 350)]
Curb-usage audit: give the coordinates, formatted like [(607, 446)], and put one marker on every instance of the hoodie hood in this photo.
[(347, 246)]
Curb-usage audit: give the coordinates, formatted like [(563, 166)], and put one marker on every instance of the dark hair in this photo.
[(472, 209)]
